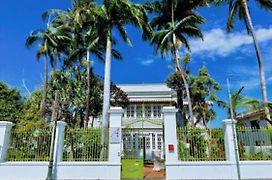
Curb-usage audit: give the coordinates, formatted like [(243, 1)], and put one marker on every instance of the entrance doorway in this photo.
[(142, 154)]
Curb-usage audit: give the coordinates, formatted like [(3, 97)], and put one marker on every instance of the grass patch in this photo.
[(132, 168)]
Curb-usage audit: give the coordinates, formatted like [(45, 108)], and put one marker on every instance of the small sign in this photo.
[(115, 135), (171, 148)]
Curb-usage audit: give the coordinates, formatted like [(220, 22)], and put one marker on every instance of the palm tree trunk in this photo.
[(87, 114), (43, 102), (92, 121), (260, 62), (179, 69), (106, 93)]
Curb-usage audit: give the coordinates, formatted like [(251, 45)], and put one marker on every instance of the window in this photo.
[(147, 142), (153, 141), (147, 111), (157, 111), (130, 111), (159, 136), (139, 111)]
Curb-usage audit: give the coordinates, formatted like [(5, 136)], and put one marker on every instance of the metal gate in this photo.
[(133, 154)]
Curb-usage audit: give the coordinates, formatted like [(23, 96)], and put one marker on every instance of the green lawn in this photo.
[(132, 168)]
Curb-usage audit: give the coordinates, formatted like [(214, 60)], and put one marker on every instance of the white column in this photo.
[(135, 111), (5, 128), (156, 141), (152, 109), (170, 133), (229, 140), (115, 134), (59, 141)]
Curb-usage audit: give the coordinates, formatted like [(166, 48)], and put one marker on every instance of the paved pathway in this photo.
[(150, 174)]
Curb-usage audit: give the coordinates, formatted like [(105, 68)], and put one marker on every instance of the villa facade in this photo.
[(143, 122)]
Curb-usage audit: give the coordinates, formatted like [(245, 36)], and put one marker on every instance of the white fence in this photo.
[(110, 169), (209, 170)]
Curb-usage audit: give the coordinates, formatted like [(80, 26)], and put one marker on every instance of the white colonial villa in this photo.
[(143, 116)]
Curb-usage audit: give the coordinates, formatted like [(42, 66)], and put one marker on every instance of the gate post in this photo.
[(229, 140), (170, 134), (5, 128), (59, 141), (115, 133)]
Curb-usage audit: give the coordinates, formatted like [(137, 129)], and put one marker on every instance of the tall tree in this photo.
[(239, 9), (173, 27), (203, 89), (115, 14), (87, 38), (51, 42)]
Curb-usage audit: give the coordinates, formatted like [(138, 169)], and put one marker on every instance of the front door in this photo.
[(153, 145)]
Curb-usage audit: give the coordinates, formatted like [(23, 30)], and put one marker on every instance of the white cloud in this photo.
[(147, 62), (269, 79), (217, 42), (249, 83)]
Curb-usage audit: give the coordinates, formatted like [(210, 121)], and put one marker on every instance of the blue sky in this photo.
[(224, 54)]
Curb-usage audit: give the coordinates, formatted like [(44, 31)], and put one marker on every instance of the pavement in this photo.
[(150, 174)]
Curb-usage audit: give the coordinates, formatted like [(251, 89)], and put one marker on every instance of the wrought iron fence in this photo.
[(29, 146), (84, 145), (254, 144), (201, 144)]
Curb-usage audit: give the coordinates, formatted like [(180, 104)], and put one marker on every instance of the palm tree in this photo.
[(116, 14), (49, 47), (172, 32), (240, 9), (88, 37), (239, 101), (84, 18)]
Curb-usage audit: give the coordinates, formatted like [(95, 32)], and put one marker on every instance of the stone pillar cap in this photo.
[(5, 123), (62, 123), (169, 109), (116, 110), (229, 121)]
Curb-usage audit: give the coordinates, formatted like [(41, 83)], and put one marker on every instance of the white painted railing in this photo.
[(110, 169), (208, 170)]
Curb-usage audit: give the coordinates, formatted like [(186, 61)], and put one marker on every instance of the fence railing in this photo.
[(254, 144), (84, 145), (29, 146), (200, 144)]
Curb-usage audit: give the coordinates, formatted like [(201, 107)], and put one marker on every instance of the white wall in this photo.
[(64, 170), (85, 170), (23, 170), (219, 170)]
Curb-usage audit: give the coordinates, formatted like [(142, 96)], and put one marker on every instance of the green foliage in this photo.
[(72, 86), (237, 10), (29, 115), (10, 104), (239, 101), (200, 144), (29, 145), (174, 18), (203, 89)]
